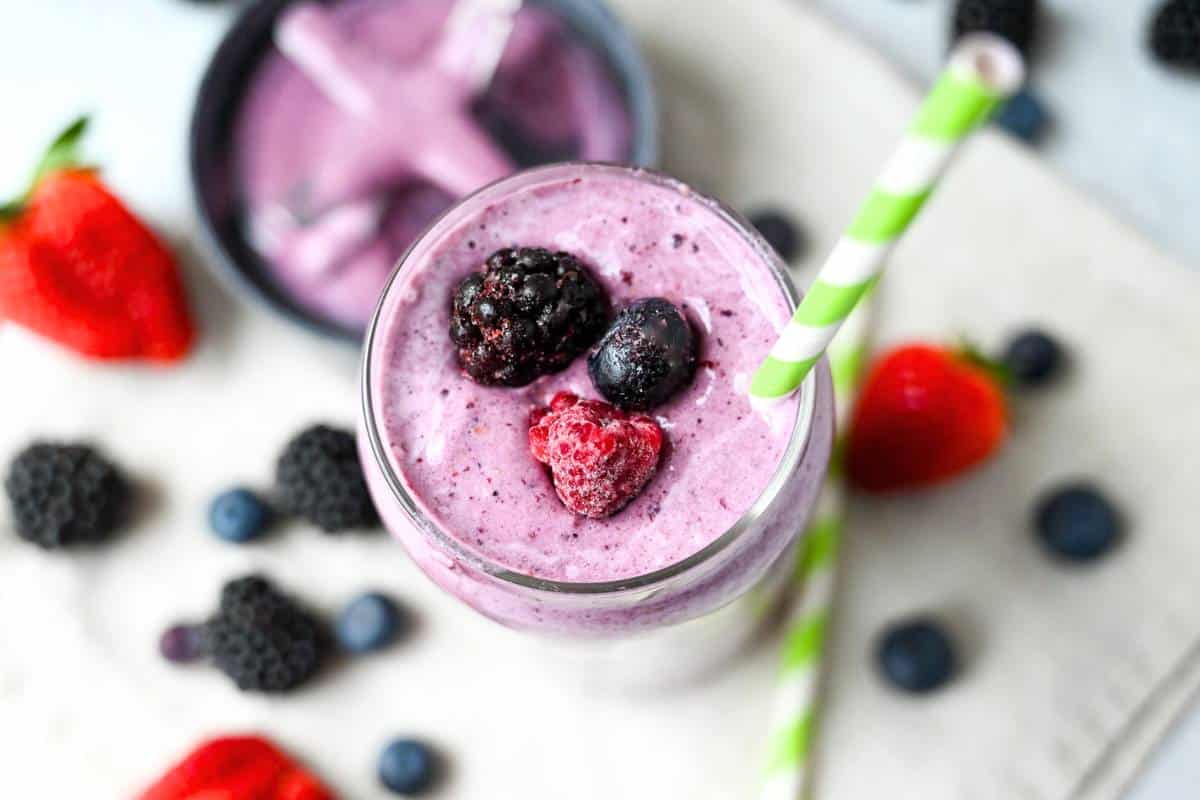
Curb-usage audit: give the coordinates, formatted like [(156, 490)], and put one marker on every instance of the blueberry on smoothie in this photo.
[(916, 655), (647, 355), (530, 312)]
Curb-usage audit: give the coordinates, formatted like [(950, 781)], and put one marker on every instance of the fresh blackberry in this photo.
[(262, 639), (1015, 20), (528, 313), (64, 495), (1175, 33), (320, 479)]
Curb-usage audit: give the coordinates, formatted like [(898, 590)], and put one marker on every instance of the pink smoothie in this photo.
[(460, 450), (365, 123)]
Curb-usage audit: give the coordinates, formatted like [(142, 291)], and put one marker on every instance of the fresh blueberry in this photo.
[(917, 655), (1032, 358), (181, 644), (1023, 116), (1077, 523), (238, 515), (369, 622), (407, 767), (647, 355), (780, 232)]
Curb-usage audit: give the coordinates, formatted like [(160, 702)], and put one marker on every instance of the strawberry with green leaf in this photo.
[(77, 267)]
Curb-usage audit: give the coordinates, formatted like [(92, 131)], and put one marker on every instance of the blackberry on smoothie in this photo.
[(556, 416)]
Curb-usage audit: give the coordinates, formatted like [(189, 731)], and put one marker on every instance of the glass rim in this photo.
[(792, 455)]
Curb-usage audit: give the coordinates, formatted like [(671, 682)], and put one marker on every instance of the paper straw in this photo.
[(794, 710), (983, 70)]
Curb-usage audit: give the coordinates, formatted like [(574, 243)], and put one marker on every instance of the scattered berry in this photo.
[(263, 639), (1175, 34), (530, 312), (238, 515), (1032, 358), (237, 768), (320, 479), (77, 267), (1015, 20), (916, 656), (407, 767), (64, 495), (1023, 116), (647, 355), (599, 457), (780, 232), (1077, 523), (925, 415), (369, 622), (182, 644)]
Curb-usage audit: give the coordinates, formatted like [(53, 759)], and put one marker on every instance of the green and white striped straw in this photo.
[(794, 709), (983, 71)]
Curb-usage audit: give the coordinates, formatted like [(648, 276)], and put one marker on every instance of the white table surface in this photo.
[(1124, 129), (164, 68)]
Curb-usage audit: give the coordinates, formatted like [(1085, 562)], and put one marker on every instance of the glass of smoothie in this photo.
[(678, 578)]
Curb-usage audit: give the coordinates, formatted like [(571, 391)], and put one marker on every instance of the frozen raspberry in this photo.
[(528, 313), (599, 457)]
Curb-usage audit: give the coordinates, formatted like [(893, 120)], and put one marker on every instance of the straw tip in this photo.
[(990, 59)]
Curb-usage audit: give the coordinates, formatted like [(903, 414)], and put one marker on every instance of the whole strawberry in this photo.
[(78, 268), (925, 415)]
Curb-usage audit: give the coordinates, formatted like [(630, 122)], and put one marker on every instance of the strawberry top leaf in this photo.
[(970, 353), (63, 153)]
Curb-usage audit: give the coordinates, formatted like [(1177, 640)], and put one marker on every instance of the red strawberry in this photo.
[(77, 267), (925, 415), (599, 457), (237, 768)]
